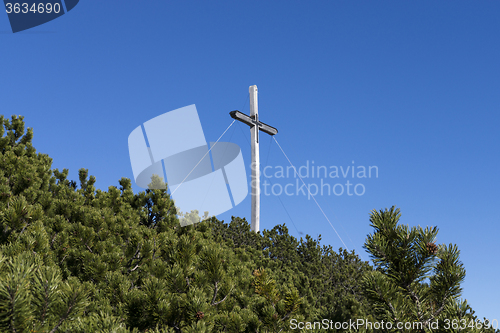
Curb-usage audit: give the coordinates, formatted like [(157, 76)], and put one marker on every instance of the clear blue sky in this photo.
[(410, 87)]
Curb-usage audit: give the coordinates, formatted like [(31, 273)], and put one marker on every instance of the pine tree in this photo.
[(415, 280)]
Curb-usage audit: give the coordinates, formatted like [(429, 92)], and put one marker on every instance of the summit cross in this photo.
[(255, 127)]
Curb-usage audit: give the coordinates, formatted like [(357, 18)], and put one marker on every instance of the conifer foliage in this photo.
[(74, 258), (416, 280)]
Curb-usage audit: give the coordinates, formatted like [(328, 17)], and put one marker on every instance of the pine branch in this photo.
[(135, 255), (63, 318), (88, 247), (217, 303), (71, 305), (416, 299), (438, 311), (215, 292), (23, 230), (133, 269), (52, 241), (12, 309), (63, 259)]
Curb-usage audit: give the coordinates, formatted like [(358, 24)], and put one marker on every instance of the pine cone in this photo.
[(199, 315), (432, 248)]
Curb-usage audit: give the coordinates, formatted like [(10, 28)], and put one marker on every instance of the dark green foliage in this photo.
[(415, 280), (77, 259), (328, 281)]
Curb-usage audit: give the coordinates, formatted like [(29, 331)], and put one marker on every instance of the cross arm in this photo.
[(252, 122)]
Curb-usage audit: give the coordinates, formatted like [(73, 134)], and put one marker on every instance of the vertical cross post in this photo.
[(254, 114), (255, 126)]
